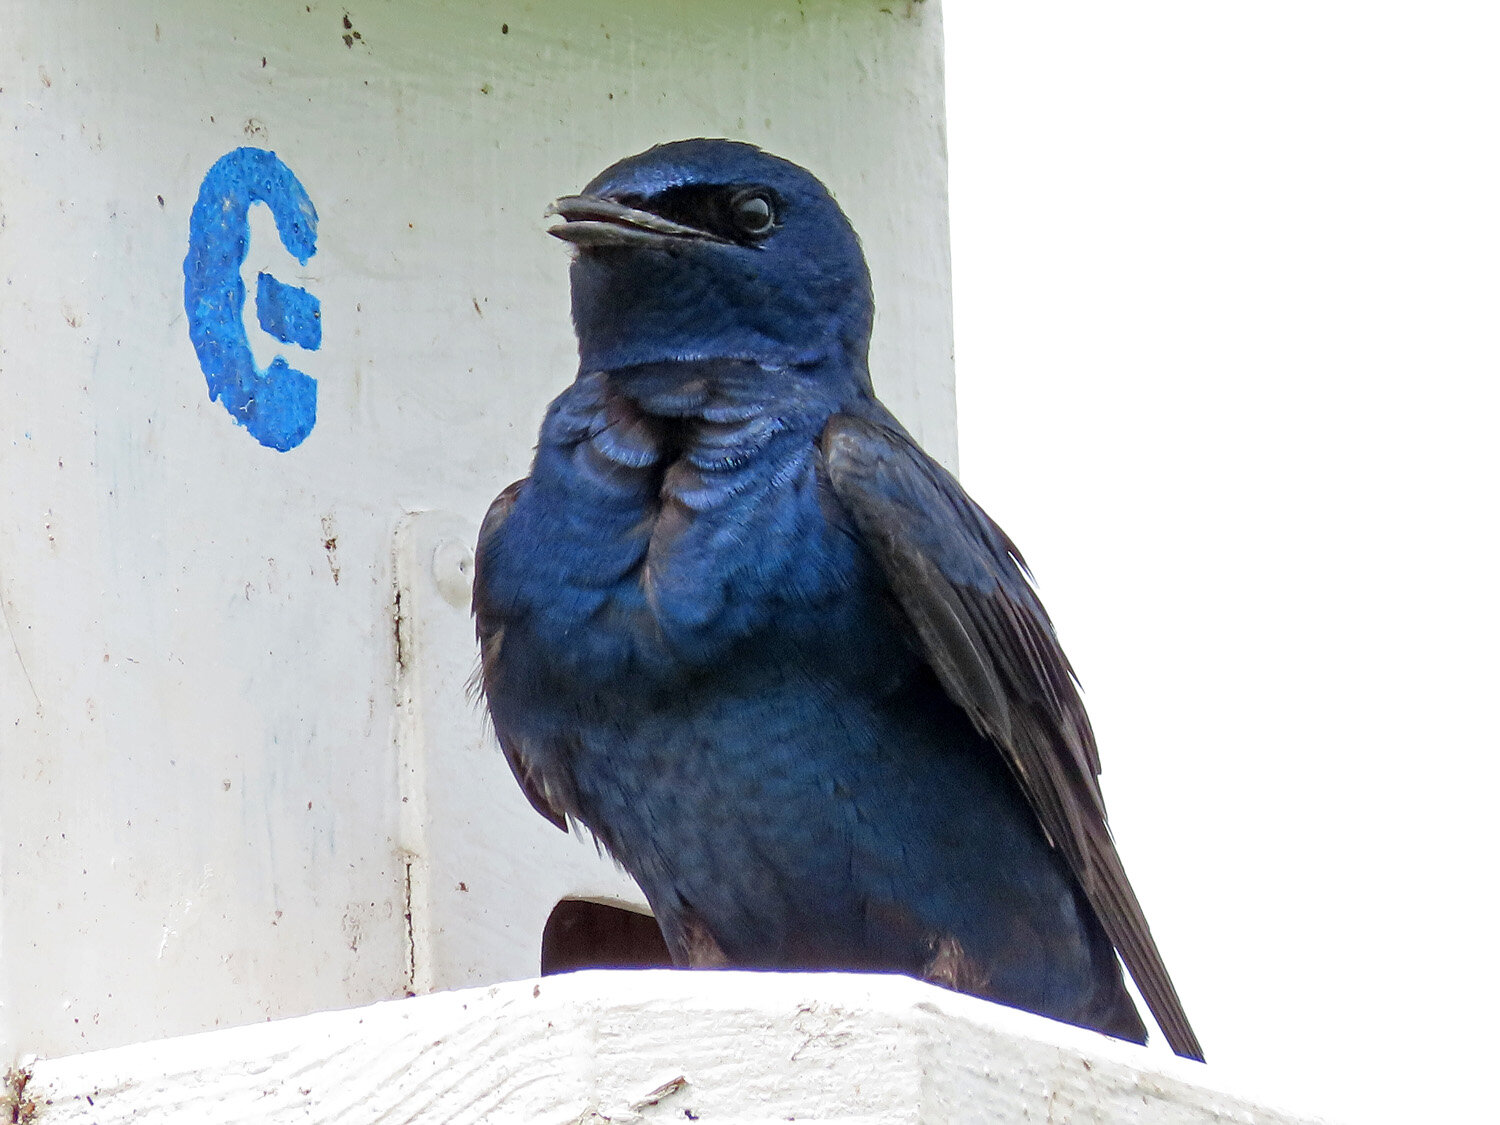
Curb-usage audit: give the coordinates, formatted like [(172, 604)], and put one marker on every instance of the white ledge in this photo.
[(646, 1046)]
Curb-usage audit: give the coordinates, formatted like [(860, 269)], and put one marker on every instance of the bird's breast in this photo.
[(651, 542)]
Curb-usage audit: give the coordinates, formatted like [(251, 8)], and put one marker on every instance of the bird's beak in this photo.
[(589, 220)]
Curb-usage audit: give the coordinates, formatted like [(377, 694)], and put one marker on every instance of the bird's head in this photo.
[(713, 249)]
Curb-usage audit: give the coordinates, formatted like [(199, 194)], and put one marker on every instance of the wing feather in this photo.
[(967, 592), (489, 627)]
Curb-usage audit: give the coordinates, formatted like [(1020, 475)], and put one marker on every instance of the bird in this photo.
[(741, 628)]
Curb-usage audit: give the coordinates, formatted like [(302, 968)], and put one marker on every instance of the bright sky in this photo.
[(1228, 338)]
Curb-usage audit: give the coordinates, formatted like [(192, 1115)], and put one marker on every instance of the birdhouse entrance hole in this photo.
[(594, 935)]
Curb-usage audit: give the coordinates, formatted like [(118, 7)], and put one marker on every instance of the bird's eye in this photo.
[(752, 212)]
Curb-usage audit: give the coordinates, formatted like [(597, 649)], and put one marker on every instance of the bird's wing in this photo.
[(966, 590), (489, 627)]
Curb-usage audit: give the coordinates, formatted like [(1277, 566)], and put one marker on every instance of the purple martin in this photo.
[(738, 624)]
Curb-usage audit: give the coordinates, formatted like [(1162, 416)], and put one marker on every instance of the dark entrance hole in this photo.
[(591, 935)]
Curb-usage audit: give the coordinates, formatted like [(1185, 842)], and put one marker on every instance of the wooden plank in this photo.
[(647, 1046)]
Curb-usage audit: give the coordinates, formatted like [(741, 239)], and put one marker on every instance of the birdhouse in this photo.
[(280, 318)]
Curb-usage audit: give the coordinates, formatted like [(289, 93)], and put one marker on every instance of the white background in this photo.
[(1227, 314)]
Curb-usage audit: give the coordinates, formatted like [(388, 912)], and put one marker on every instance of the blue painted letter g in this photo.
[(280, 404)]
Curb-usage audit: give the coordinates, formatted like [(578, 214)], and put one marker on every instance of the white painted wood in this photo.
[(648, 1046), (220, 793)]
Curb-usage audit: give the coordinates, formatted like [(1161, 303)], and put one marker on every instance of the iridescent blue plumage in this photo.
[(741, 627)]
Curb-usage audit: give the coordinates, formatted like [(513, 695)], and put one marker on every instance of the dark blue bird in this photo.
[(738, 624)]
